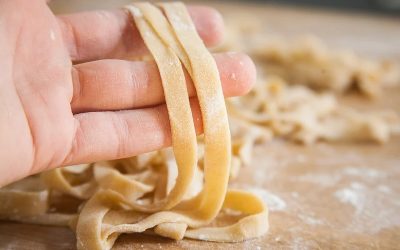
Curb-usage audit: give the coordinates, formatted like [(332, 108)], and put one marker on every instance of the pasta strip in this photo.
[(205, 76), (177, 100)]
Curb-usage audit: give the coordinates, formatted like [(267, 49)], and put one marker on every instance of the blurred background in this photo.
[(391, 7), (385, 6), (360, 25)]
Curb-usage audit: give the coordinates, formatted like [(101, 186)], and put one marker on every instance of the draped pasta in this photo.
[(173, 198)]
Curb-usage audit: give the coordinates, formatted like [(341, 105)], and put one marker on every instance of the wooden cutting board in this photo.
[(321, 196)]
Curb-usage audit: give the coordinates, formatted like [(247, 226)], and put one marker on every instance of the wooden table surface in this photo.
[(327, 196)]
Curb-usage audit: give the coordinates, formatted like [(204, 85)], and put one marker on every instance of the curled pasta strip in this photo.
[(28, 201), (170, 224), (255, 224), (57, 180)]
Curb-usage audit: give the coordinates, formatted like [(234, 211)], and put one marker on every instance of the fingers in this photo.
[(112, 34), (113, 135), (107, 85)]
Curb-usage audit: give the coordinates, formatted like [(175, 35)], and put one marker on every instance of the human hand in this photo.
[(56, 112)]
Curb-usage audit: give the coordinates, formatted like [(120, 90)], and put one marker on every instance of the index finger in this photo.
[(113, 35)]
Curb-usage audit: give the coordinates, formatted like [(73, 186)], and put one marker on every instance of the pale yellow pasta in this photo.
[(309, 62), (182, 128), (301, 114), (176, 223)]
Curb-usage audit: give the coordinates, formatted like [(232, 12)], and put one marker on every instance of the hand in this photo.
[(54, 112)]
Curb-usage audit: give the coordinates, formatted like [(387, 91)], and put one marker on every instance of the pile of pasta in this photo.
[(173, 193), (308, 61), (300, 114), (299, 85)]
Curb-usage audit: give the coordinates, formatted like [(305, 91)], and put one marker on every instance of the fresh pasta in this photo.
[(175, 194)]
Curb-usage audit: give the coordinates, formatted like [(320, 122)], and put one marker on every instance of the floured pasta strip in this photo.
[(177, 99), (174, 199)]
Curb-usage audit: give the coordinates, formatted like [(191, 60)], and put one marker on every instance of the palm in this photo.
[(42, 124), (55, 113)]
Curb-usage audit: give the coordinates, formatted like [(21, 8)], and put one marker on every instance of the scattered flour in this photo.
[(325, 180), (274, 202), (327, 158), (384, 189), (375, 208), (331, 179), (364, 172), (354, 195), (310, 220), (299, 244), (294, 194)]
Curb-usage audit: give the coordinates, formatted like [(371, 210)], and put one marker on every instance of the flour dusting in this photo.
[(364, 172), (375, 208), (274, 202), (384, 189), (135, 11), (353, 195), (310, 220), (325, 180), (299, 243)]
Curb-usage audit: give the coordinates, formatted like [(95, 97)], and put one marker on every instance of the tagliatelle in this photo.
[(303, 115), (174, 85), (308, 61), (203, 208), (175, 199)]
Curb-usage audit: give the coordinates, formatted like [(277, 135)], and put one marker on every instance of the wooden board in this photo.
[(320, 196)]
